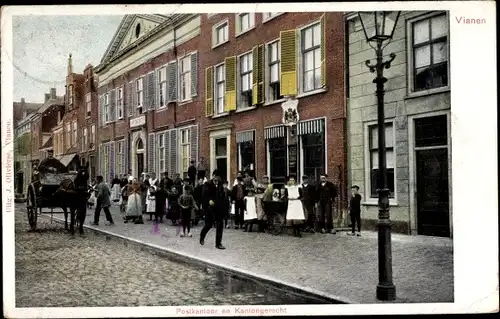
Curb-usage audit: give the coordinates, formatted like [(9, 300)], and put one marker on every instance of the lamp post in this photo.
[(379, 28)]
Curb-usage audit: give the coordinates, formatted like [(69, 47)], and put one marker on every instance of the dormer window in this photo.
[(137, 30)]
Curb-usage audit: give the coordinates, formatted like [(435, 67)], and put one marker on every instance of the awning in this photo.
[(311, 127), (246, 136), (66, 159), (274, 132)]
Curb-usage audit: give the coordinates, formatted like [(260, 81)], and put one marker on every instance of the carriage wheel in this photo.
[(277, 224), (31, 208)]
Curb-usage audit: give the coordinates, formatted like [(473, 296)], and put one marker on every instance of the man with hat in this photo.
[(325, 196), (50, 164), (213, 204), (307, 194)]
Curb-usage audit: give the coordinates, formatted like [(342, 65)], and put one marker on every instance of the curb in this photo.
[(248, 275)]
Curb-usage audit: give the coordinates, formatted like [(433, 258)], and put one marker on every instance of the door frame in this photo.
[(213, 161), (412, 150)]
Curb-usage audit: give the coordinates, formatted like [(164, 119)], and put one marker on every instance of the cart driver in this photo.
[(51, 164)]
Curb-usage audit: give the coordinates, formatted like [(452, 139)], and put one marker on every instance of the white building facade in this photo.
[(417, 116)]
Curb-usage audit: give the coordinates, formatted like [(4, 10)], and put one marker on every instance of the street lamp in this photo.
[(378, 27)]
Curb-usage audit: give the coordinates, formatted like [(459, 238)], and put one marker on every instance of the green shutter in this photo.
[(209, 91), (288, 70), (258, 75)]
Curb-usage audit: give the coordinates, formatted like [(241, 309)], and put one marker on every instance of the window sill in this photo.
[(412, 95), (185, 102), (120, 119), (245, 109), (220, 115), (219, 44), (274, 102), (161, 108), (374, 202), (243, 32), (264, 20), (318, 91)]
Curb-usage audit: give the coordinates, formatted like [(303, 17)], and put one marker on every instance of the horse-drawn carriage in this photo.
[(55, 187)]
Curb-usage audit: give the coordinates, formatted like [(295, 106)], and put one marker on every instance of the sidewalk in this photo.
[(339, 266)]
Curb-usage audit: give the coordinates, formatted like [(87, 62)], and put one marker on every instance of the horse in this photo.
[(74, 194)]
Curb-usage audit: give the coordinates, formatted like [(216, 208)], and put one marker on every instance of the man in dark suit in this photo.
[(192, 173), (103, 202), (213, 203), (307, 194), (325, 197)]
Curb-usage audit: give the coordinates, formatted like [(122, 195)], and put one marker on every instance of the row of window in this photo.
[(71, 132), (268, 72), (163, 150), (173, 82), (23, 129), (244, 22)]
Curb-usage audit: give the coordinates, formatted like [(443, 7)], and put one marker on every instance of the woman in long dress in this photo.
[(250, 215), (295, 210), (115, 190), (134, 204)]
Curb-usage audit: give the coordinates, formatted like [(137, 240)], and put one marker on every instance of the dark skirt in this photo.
[(174, 212)]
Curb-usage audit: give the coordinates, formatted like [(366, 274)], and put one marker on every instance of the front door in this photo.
[(221, 157), (140, 164), (432, 192)]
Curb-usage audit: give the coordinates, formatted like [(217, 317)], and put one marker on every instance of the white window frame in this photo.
[(106, 108), (162, 86), (214, 135), (267, 73), (71, 95), (119, 103), (367, 174), (215, 29), (216, 92), (92, 136), (68, 135), (301, 61), (185, 141), (88, 105), (410, 58), (160, 137), (240, 158), (301, 152), (266, 16), (268, 153), (74, 136), (118, 156), (211, 14), (185, 76), (238, 22), (239, 82), (139, 93), (85, 138)]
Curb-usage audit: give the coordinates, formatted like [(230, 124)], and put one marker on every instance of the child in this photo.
[(226, 208), (187, 204), (355, 210), (151, 202), (250, 216), (160, 199), (173, 210)]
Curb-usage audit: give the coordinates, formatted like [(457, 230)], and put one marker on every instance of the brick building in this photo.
[(150, 102), (252, 64)]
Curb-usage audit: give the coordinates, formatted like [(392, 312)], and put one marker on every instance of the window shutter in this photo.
[(122, 167), (166, 143), (194, 74), (323, 50), (112, 105), (101, 160), (134, 98), (194, 143), (130, 99), (173, 152), (258, 75), (209, 91), (125, 155), (101, 110), (172, 82), (288, 74), (151, 152), (111, 160), (152, 90), (230, 97)]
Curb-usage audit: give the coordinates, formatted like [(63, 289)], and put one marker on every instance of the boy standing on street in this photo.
[(355, 210)]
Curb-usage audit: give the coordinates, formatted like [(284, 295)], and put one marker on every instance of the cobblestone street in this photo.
[(336, 265), (55, 270)]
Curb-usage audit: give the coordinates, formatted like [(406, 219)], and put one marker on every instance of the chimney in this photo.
[(47, 97), (70, 65), (53, 93)]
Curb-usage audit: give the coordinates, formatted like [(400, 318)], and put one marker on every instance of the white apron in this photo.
[(134, 205), (250, 208), (295, 211), (151, 204)]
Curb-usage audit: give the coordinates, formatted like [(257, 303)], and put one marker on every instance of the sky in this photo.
[(42, 44)]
